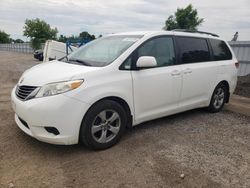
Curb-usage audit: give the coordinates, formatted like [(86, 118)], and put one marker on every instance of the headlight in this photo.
[(57, 88)]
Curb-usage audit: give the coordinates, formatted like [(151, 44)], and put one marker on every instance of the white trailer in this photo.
[(54, 50)]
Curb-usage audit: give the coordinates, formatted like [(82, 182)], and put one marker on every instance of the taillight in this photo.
[(237, 64)]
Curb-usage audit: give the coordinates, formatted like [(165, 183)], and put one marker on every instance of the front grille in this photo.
[(22, 92)]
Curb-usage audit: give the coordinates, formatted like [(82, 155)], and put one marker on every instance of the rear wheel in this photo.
[(218, 98), (103, 125)]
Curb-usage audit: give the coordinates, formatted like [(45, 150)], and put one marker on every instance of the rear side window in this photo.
[(193, 50), (220, 50)]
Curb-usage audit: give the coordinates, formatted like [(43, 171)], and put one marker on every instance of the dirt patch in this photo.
[(243, 86), (211, 150)]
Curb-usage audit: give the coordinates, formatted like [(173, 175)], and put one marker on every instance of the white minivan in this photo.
[(122, 80)]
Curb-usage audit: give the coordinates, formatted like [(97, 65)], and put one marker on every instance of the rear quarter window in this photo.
[(220, 50), (193, 50)]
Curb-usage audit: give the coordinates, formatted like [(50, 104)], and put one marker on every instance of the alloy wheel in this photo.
[(106, 126), (219, 97)]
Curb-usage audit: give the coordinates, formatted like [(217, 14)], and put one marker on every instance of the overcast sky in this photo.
[(223, 17)]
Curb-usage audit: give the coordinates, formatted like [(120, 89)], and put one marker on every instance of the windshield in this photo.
[(103, 51)]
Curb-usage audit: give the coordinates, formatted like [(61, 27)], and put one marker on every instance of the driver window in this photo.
[(161, 48)]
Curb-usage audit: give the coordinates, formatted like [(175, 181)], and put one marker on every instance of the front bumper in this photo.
[(59, 111)]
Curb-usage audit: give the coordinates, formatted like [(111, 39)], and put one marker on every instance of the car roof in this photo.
[(176, 33)]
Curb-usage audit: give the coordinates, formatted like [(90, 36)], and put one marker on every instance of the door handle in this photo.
[(187, 71), (175, 73)]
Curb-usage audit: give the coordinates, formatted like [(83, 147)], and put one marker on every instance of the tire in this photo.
[(103, 125), (40, 58), (218, 98)]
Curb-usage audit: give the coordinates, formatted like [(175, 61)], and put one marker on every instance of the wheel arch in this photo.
[(123, 103)]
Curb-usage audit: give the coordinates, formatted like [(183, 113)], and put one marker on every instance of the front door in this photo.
[(156, 90)]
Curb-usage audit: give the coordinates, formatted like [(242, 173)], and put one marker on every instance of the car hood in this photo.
[(53, 71)]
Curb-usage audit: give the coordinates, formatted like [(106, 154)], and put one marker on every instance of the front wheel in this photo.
[(218, 98), (103, 125)]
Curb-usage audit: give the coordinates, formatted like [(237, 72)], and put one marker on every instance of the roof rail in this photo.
[(193, 31)]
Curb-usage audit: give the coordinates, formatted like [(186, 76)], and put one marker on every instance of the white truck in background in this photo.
[(55, 50)]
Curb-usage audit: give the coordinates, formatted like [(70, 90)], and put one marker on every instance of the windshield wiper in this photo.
[(80, 61)]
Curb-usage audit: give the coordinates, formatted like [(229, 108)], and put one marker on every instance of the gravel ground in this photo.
[(243, 86), (211, 150)]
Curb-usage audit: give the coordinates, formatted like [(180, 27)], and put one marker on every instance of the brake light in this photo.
[(237, 64)]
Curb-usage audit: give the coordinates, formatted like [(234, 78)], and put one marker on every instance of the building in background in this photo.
[(242, 52)]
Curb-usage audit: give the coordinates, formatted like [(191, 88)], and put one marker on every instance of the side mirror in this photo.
[(146, 62)]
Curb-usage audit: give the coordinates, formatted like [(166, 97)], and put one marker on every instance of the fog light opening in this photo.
[(52, 130), (24, 122)]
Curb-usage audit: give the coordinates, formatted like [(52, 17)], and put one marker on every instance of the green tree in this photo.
[(62, 38), (86, 35), (184, 18), (18, 41), (38, 31), (82, 35), (4, 37)]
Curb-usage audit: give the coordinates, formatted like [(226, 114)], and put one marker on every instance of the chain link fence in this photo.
[(17, 47)]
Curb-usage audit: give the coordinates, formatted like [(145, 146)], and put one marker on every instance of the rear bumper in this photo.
[(61, 112)]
